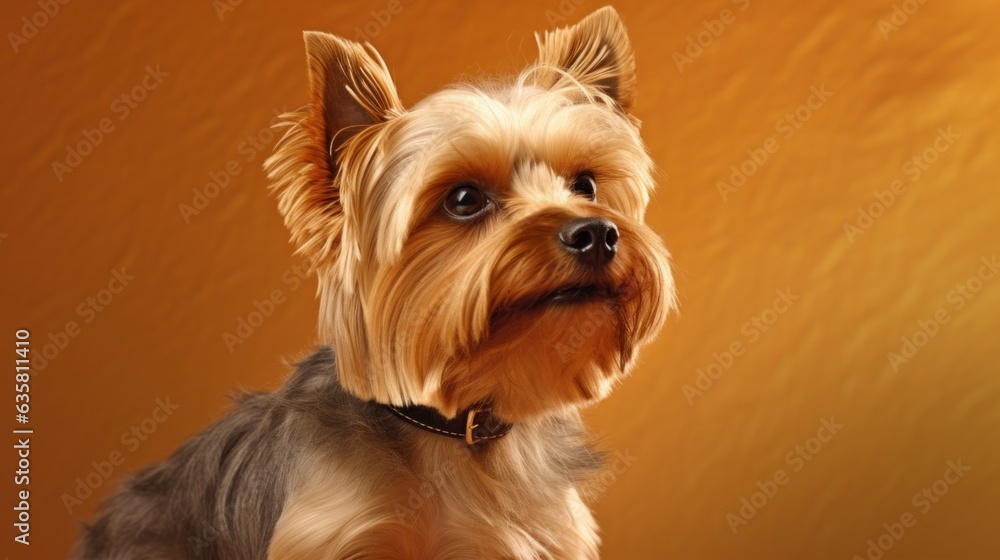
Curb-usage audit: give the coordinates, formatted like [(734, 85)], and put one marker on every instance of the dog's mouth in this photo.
[(572, 294), (578, 294), (567, 296)]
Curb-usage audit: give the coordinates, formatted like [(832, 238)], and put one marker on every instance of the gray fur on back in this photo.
[(220, 494)]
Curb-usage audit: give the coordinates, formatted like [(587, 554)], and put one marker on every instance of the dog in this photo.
[(484, 272)]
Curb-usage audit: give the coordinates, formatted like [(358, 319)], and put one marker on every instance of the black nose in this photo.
[(593, 240)]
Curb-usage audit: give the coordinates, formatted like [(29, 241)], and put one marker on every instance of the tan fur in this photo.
[(425, 309), (596, 52), (446, 505)]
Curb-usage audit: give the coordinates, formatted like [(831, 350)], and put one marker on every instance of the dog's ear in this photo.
[(349, 85), (595, 52), (349, 90)]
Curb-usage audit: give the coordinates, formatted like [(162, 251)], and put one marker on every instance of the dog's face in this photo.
[(488, 244)]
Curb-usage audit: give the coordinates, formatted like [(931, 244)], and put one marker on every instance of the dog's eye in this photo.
[(465, 201), (584, 185)]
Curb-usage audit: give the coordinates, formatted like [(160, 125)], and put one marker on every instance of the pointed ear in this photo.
[(349, 90), (595, 52), (349, 85)]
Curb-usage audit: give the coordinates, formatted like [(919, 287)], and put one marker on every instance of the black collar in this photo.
[(474, 425)]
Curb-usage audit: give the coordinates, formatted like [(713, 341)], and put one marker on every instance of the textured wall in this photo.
[(838, 103)]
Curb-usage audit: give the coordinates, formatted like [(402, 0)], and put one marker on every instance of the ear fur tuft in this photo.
[(595, 52), (349, 90)]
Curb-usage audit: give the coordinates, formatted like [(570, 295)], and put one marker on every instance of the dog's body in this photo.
[(480, 256), (359, 484)]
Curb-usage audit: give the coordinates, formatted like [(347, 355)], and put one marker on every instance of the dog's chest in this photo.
[(449, 507), (469, 514)]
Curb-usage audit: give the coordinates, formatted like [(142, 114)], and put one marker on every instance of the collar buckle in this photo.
[(470, 426), (474, 425)]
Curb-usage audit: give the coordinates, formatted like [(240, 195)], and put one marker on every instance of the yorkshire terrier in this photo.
[(484, 273)]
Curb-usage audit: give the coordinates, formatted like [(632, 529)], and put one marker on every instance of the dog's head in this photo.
[(487, 244)]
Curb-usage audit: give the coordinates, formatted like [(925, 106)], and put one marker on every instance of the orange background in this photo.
[(827, 355)]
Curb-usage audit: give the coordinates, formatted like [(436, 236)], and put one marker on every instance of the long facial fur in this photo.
[(424, 309)]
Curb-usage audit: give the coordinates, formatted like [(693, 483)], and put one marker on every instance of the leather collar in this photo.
[(474, 425)]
